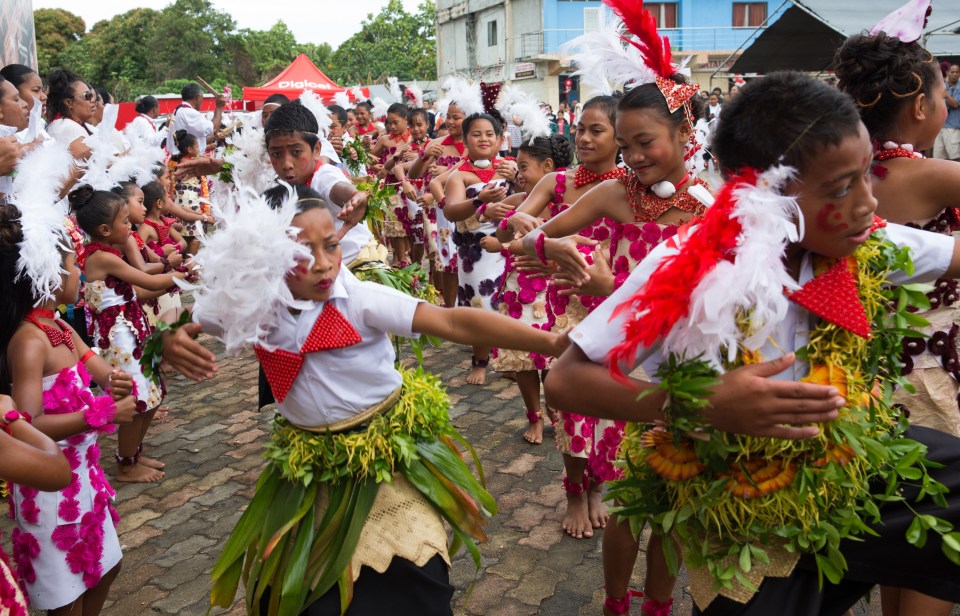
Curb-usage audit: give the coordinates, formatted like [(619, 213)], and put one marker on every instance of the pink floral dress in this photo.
[(439, 235), (66, 541)]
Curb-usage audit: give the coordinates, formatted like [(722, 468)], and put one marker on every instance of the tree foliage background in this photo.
[(153, 51)]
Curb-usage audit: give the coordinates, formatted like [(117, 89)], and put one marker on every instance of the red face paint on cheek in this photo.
[(828, 212)]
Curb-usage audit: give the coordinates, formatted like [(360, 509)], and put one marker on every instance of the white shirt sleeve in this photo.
[(66, 131), (386, 309), (194, 122), (931, 253), (326, 177), (601, 331)]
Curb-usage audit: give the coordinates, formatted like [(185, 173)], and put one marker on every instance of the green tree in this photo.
[(391, 43), (321, 54), (114, 54), (191, 38), (270, 50), (56, 30)]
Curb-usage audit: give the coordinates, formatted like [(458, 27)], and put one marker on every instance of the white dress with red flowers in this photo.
[(480, 272), (119, 327), (66, 541)]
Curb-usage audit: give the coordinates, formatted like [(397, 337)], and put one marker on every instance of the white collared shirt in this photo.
[(141, 128), (600, 331), (337, 384), (189, 119), (324, 179)]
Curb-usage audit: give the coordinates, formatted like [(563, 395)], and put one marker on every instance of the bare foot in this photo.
[(596, 507), (478, 375), (151, 463), (576, 521), (162, 414), (552, 415), (137, 473), (534, 434)]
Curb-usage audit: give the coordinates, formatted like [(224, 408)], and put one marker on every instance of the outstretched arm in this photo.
[(483, 328), (29, 456)]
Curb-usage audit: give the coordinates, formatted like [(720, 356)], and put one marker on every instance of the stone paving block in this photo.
[(193, 567), (139, 602), (488, 593), (181, 551), (136, 538), (185, 596), (522, 465), (137, 519), (536, 586), (516, 563)]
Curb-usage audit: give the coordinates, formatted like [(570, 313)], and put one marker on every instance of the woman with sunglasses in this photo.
[(70, 105)]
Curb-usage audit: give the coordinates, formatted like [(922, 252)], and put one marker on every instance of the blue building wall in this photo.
[(703, 25)]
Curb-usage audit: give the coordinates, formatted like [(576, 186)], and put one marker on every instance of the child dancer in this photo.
[(742, 269), (32, 459), (136, 251), (522, 296), (475, 184), (344, 395), (118, 324), (386, 148), (163, 240), (412, 191), (190, 193), (293, 146), (65, 544), (904, 114), (365, 128)]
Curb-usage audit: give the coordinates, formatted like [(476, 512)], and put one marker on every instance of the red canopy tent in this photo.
[(302, 74)]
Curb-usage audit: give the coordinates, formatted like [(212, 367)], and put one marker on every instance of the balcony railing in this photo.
[(532, 44)]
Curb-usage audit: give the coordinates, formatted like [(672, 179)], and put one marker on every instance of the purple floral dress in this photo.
[(66, 541), (480, 272)]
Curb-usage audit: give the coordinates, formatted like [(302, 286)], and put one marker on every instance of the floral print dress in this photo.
[(480, 272), (66, 541)]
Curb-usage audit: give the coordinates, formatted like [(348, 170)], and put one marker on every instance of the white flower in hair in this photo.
[(36, 193), (244, 266)]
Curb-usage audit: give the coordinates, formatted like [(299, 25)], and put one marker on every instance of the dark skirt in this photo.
[(886, 559), (403, 588)]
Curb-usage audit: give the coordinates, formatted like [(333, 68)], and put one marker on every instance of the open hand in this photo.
[(186, 355), (600, 281), (749, 402), (491, 192), (496, 211), (564, 252)]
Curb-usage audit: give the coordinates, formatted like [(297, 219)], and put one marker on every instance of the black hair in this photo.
[(339, 113), (555, 147), (16, 73), (883, 75), (146, 104), (105, 96), (190, 92), (61, 89), (159, 170), (606, 104), (418, 111), (307, 198), (152, 193), (399, 109), (276, 99), (94, 208), (16, 290), (366, 105), (183, 140), (292, 118), (473, 117), (801, 116), (124, 189), (649, 96)]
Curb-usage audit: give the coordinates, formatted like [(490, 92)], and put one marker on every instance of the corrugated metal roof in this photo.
[(808, 33)]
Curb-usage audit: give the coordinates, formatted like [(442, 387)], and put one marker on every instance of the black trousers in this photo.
[(403, 589), (886, 559)]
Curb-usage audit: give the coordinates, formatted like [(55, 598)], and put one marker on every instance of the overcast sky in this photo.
[(334, 23)]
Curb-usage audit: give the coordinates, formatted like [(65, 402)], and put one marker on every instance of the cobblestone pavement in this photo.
[(172, 531)]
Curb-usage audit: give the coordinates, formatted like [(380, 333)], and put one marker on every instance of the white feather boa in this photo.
[(243, 269), (343, 99), (752, 284), (36, 193)]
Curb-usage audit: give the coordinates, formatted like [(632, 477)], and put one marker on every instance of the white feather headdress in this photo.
[(415, 94), (343, 99), (379, 109), (244, 265), (395, 89), (310, 100), (357, 93), (105, 144), (515, 102), (36, 193), (467, 96)]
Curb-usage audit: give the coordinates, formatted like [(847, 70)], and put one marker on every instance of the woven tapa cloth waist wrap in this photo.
[(337, 497)]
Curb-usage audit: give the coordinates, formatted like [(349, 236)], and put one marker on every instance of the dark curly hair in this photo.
[(649, 96), (801, 116), (555, 147), (495, 120), (61, 82), (883, 75), (94, 208), (291, 118), (15, 290)]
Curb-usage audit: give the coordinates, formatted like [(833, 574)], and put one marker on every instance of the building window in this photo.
[(749, 14), (665, 13), (492, 33), (591, 19)]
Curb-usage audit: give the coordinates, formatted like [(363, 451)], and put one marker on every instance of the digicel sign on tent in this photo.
[(302, 74)]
